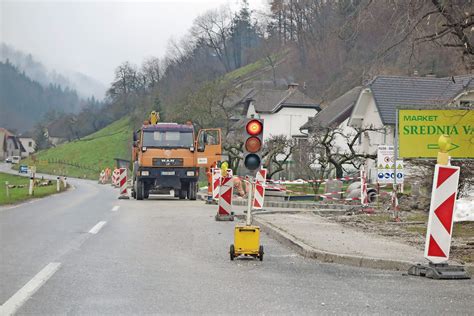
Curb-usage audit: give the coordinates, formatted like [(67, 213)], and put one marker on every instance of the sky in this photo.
[(94, 37)]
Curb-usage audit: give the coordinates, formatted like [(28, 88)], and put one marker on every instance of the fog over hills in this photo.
[(82, 83)]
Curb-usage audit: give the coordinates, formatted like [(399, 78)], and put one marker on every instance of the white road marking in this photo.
[(97, 227), (23, 294), (115, 208)]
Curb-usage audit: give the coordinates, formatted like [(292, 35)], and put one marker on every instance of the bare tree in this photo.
[(126, 80), (277, 151), (213, 28), (151, 71)]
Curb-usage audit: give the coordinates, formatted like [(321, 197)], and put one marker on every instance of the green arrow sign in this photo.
[(436, 146)]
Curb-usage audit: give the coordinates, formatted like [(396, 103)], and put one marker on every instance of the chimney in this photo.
[(293, 86)]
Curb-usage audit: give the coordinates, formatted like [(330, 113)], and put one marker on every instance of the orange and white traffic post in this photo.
[(260, 183), (364, 198), (216, 182), (440, 221), (123, 184), (226, 191)]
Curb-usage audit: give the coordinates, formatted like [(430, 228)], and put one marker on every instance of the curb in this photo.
[(296, 205), (325, 256)]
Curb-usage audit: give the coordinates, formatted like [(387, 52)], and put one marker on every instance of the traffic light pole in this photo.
[(249, 204)]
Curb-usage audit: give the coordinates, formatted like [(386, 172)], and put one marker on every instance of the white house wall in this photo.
[(286, 122), (370, 140), (29, 144), (251, 110)]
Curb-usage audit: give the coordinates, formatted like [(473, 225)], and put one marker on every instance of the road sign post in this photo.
[(390, 170)]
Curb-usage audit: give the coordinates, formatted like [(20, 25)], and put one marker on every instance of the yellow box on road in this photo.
[(246, 242)]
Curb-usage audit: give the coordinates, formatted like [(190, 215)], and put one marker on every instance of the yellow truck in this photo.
[(168, 156)]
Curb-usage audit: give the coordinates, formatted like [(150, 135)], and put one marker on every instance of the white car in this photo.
[(15, 159), (8, 160)]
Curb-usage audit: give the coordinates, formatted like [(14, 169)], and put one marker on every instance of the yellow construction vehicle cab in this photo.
[(168, 156)]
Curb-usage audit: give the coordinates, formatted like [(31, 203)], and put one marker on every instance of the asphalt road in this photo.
[(169, 256)]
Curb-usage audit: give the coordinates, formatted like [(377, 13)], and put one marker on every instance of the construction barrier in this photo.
[(102, 177), (440, 221), (224, 212), (116, 177), (107, 174), (364, 198), (216, 179), (123, 184), (260, 182)]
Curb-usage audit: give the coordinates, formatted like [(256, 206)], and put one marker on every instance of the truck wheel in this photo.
[(182, 194), (192, 191), (140, 190)]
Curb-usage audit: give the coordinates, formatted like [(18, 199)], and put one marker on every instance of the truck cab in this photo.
[(168, 156)]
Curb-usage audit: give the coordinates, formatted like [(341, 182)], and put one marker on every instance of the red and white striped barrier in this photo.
[(364, 197), (123, 184), (260, 183), (102, 177), (216, 180), (116, 177), (440, 221), (224, 211)]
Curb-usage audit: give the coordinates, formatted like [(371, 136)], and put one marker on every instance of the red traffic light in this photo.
[(253, 144), (254, 127)]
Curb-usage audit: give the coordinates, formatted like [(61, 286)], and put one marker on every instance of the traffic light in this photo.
[(253, 143)]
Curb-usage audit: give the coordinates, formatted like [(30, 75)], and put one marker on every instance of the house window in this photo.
[(30, 144), (466, 104)]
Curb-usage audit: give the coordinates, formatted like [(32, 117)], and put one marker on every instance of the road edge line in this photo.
[(24, 294)]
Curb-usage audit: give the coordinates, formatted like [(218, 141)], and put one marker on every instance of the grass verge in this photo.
[(85, 158), (20, 192)]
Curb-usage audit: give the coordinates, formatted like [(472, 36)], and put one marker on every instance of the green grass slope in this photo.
[(19, 192), (86, 157)]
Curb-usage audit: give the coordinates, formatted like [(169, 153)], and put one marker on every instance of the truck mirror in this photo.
[(201, 147), (135, 136)]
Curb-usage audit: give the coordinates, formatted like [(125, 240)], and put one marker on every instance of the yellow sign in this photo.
[(419, 131)]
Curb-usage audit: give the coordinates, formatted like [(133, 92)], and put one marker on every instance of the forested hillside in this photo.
[(24, 102), (327, 47), (85, 86)]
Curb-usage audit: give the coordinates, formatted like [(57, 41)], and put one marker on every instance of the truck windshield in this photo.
[(173, 139)]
